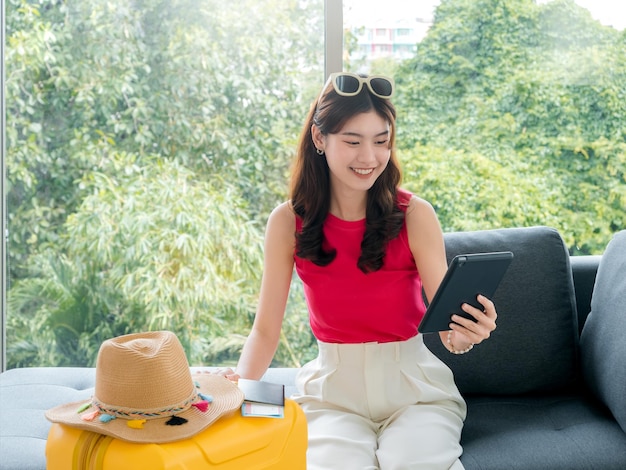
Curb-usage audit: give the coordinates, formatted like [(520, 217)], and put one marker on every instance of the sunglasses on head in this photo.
[(350, 84)]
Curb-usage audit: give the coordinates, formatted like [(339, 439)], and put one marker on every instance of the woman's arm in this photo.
[(428, 248), (426, 243), (262, 342)]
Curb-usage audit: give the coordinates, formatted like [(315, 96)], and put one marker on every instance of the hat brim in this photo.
[(227, 398)]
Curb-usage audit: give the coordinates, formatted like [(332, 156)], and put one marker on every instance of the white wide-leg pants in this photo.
[(381, 406)]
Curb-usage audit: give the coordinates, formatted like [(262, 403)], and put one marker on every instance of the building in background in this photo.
[(390, 38), (393, 32), (385, 37)]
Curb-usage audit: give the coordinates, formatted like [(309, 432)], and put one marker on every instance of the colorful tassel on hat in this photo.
[(175, 421), (201, 405), (105, 418), (90, 416), (136, 423), (208, 398), (84, 407)]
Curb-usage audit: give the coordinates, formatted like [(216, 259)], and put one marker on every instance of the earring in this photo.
[(319, 151)]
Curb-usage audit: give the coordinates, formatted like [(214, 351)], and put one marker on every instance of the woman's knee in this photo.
[(339, 440), (422, 436)]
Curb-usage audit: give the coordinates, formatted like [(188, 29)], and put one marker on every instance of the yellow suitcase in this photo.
[(231, 443)]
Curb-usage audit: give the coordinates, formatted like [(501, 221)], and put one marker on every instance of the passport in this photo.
[(258, 391)]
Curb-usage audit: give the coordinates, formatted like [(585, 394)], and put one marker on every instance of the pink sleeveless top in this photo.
[(349, 306)]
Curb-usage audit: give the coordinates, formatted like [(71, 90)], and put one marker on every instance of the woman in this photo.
[(375, 397)]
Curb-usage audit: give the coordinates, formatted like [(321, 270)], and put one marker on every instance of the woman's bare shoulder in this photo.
[(419, 207), (422, 224), (283, 213), (282, 220)]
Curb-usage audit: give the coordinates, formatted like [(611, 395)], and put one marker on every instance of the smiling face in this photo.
[(358, 153)]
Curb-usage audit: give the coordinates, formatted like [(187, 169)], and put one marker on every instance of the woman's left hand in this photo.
[(474, 332)]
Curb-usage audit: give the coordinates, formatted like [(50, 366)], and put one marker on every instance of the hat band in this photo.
[(130, 413)]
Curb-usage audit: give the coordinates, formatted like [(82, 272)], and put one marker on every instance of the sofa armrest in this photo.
[(584, 270), (602, 346)]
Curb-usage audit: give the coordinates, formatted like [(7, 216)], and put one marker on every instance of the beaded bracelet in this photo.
[(453, 350)]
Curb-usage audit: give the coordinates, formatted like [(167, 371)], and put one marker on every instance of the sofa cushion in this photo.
[(540, 432), (25, 394), (534, 347), (602, 343)]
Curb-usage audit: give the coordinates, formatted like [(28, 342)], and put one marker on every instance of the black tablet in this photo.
[(468, 276)]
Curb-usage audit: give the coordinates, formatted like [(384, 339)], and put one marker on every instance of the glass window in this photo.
[(146, 144), (146, 147), (509, 113)]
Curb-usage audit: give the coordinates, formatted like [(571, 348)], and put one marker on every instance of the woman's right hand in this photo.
[(227, 372)]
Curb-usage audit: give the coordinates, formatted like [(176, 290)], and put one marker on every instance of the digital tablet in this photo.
[(468, 276)]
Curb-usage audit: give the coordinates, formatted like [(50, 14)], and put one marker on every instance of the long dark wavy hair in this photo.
[(310, 182)]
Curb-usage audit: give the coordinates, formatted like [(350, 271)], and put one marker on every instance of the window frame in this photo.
[(3, 212)]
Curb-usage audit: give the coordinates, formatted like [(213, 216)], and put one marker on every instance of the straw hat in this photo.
[(145, 393)]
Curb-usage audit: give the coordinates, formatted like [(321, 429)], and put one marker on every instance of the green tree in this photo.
[(151, 248), (167, 87), (537, 91), (178, 78), (147, 143)]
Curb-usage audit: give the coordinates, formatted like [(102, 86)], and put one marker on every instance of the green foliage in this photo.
[(472, 192), (148, 141), (150, 248), (175, 78), (538, 91), (172, 87)]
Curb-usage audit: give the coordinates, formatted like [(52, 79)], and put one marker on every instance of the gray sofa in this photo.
[(547, 391)]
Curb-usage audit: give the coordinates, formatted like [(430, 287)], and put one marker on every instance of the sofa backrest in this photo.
[(535, 345)]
